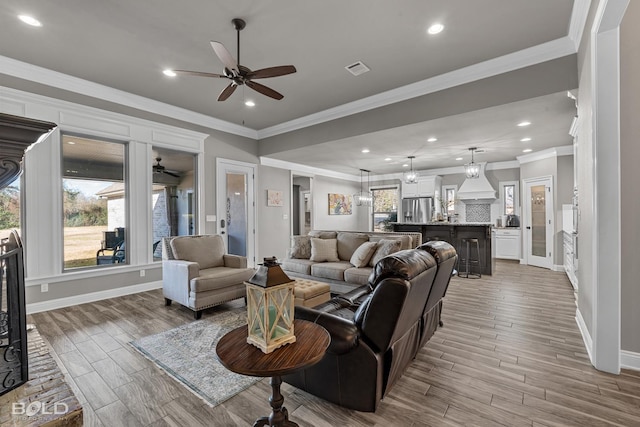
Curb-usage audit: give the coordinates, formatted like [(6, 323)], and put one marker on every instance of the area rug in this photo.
[(188, 354)]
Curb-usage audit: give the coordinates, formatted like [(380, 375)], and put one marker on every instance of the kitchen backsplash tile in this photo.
[(478, 212)]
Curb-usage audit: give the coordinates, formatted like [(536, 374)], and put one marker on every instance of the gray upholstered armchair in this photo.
[(198, 274)]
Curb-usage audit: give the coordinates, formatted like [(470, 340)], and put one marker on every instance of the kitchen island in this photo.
[(452, 233)]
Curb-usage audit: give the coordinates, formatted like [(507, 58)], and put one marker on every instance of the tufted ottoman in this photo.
[(310, 293)]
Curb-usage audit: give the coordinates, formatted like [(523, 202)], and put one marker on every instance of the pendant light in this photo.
[(363, 198), (411, 177), (472, 170)]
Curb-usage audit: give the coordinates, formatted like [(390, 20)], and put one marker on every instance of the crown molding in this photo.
[(63, 81), (565, 150), (579, 16), (513, 61), (307, 170)]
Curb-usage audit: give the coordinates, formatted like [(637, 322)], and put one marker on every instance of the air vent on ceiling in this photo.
[(357, 68)]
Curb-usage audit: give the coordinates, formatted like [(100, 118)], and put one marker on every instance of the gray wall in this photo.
[(273, 228), (322, 186), (630, 177)]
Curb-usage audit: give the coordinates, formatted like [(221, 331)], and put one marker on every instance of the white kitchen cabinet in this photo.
[(427, 186), (508, 243), (570, 263)]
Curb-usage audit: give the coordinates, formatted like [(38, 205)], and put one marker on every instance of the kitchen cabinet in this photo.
[(427, 186), (570, 260), (508, 243)]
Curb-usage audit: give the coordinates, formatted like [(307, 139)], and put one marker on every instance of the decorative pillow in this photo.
[(301, 247), (385, 247), (348, 242), (362, 255), (323, 234), (324, 250)]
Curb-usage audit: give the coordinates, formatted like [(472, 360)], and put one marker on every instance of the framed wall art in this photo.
[(339, 204), (275, 198)]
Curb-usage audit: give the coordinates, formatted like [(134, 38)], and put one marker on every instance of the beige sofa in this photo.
[(198, 274), (317, 259)]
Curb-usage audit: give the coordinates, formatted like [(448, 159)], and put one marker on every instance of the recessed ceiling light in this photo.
[(525, 123), (405, 165), (71, 143), (169, 73), (527, 150), (527, 139), (249, 103), (435, 28), (458, 158), (388, 159), (432, 139), (30, 20), (365, 150)]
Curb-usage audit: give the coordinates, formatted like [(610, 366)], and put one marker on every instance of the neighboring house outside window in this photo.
[(94, 202), (385, 208)]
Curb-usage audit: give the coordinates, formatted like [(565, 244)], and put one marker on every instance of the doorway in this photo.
[(301, 205), (236, 207), (538, 221)]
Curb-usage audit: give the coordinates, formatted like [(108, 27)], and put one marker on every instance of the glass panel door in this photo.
[(235, 207), (236, 213), (538, 221)]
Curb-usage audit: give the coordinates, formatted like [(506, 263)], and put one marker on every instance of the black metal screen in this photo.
[(13, 331)]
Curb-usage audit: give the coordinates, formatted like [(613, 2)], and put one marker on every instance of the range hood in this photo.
[(477, 190)]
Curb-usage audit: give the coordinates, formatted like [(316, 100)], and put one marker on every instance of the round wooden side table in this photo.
[(236, 355)]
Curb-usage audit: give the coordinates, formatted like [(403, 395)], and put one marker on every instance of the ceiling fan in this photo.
[(239, 74), (159, 169)]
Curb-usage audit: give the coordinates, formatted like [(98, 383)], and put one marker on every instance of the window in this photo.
[(94, 199), (10, 208), (509, 197), (172, 196), (385, 208), (448, 201)]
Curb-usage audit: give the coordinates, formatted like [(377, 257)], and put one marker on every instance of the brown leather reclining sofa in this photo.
[(377, 329)]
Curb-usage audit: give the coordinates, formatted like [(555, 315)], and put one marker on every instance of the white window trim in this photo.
[(516, 185), (43, 181)]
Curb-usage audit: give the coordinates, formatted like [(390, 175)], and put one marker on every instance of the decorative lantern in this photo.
[(270, 307)]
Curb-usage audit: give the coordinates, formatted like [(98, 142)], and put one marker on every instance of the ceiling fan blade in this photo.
[(199, 74), (225, 57), (175, 175), (264, 90), (264, 73), (227, 91)]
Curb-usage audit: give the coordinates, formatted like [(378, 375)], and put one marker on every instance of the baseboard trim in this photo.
[(557, 267), (629, 360), (53, 304), (586, 337)]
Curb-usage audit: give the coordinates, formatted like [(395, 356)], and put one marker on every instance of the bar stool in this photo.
[(466, 261)]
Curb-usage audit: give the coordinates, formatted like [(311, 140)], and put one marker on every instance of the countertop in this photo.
[(466, 224)]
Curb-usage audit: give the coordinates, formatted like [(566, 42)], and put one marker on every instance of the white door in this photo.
[(236, 207), (538, 222)]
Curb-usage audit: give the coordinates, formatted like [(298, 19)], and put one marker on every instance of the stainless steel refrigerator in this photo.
[(417, 209)]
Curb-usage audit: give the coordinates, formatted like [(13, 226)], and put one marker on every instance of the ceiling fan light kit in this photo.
[(239, 74), (411, 176), (472, 169)]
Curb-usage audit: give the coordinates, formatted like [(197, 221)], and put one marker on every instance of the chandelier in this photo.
[(472, 170), (411, 176), (363, 198)]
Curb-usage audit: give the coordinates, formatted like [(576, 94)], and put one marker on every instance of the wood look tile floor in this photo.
[(509, 354)]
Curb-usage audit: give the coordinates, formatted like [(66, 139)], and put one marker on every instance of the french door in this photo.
[(236, 207), (538, 221)]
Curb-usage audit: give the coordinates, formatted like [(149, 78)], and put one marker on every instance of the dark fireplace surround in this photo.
[(16, 135)]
